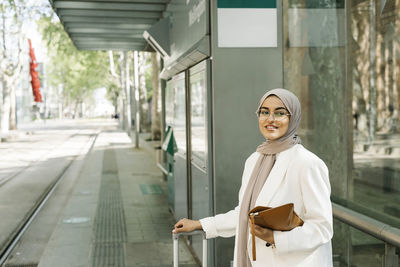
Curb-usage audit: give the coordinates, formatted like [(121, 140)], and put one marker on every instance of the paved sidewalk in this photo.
[(118, 212)]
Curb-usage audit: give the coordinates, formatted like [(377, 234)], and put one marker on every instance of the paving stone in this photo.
[(146, 221)]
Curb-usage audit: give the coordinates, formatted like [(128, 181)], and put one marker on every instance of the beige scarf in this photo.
[(263, 167)]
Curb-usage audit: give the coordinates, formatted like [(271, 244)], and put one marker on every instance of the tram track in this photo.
[(4, 180), (14, 238), (32, 163)]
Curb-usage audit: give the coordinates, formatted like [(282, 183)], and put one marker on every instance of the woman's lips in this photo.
[(271, 127)]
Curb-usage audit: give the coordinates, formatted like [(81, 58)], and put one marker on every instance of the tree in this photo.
[(10, 65), (13, 51), (80, 72), (155, 110), (114, 87), (145, 90)]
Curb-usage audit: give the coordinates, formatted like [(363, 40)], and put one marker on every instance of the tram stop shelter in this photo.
[(219, 58)]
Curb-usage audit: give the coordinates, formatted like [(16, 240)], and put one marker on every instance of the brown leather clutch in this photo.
[(282, 218)]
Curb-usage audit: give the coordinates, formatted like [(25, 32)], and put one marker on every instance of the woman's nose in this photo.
[(270, 117)]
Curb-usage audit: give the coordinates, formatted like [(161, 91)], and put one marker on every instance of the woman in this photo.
[(281, 171)]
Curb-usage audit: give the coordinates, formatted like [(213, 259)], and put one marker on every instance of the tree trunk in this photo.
[(143, 105), (115, 103), (5, 111), (155, 112), (137, 118), (372, 86), (123, 91), (127, 94), (13, 109), (76, 109)]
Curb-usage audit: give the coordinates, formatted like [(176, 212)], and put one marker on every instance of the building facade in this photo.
[(340, 57)]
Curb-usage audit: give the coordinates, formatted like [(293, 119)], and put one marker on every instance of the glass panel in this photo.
[(198, 111), (169, 103), (344, 65), (315, 70), (175, 109), (375, 53), (357, 249)]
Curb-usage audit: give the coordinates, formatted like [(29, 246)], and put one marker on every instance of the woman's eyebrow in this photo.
[(275, 109)]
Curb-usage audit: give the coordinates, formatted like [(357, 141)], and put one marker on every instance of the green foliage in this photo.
[(80, 72), (113, 91), (149, 85), (148, 75)]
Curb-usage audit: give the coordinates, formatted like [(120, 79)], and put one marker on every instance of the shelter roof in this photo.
[(109, 25)]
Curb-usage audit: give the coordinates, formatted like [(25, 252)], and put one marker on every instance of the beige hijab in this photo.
[(263, 167)]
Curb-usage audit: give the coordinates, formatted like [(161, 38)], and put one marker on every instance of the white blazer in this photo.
[(298, 177)]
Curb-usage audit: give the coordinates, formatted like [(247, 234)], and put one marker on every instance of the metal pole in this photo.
[(390, 259), (375, 228), (128, 95), (188, 147), (175, 239), (205, 260), (163, 84), (136, 109)]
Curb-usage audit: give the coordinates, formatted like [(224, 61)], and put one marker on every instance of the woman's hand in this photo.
[(265, 234), (186, 225)]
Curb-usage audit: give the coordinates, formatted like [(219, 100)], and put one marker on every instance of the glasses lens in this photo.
[(279, 115), (263, 113)]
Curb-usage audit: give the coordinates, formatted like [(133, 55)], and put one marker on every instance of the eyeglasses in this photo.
[(278, 115)]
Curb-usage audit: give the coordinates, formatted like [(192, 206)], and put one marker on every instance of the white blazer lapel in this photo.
[(275, 178)]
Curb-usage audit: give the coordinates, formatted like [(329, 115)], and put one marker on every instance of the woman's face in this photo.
[(273, 119)]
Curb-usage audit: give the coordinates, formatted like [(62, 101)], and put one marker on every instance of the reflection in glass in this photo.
[(348, 83), (175, 110), (198, 115), (315, 70), (169, 103), (324, 27), (365, 250), (375, 111)]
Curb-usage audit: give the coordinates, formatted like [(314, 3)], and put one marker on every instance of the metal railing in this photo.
[(175, 238), (390, 235)]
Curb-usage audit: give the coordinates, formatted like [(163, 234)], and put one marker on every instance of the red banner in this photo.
[(34, 75)]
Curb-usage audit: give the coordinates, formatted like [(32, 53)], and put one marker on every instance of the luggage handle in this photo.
[(175, 238)]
